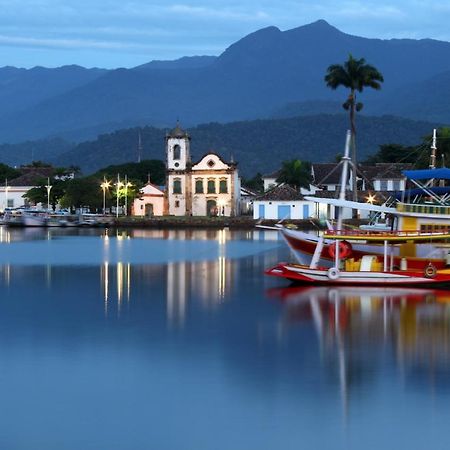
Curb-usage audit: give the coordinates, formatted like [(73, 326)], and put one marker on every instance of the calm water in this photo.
[(176, 340)]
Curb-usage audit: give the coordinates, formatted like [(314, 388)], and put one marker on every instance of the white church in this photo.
[(209, 187)]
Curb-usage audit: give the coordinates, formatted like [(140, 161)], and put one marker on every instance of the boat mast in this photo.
[(344, 175), (433, 151)]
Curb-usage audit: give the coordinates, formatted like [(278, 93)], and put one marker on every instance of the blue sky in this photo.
[(112, 33)]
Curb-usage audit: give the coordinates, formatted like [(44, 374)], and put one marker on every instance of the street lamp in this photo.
[(127, 185), (7, 188), (119, 184), (49, 188), (105, 185)]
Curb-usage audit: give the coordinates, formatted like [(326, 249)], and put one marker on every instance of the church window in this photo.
[(177, 186), (199, 186), (223, 187), (211, 187), (177, 152)]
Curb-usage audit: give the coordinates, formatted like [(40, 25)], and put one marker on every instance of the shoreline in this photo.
[(241, 222)]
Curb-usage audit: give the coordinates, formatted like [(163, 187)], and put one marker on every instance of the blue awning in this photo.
[(427, 174)]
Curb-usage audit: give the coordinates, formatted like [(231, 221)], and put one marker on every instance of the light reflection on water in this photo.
[(210, 354)]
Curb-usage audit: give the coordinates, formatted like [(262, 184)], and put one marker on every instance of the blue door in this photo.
[(284, 212), (305, 211), (262, 211)]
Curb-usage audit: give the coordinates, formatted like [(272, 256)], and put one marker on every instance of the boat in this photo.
[(364, 268), (429, 216)]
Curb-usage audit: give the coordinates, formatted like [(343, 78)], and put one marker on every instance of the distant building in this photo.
[(246, 201), (282, 202), (210, 187), (150, 202), (270, 180)]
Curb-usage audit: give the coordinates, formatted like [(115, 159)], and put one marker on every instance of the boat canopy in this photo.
[(350, 204), (439, 190), (442, 173)]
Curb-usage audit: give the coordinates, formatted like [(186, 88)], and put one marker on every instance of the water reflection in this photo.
[(356, 327), (209, 283)]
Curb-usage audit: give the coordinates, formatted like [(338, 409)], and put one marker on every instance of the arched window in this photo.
[(177, 152), (177, 186), (223, 187), (199, 186), (211, 186)]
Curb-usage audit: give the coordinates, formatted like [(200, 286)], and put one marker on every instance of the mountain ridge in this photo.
[(255, 76)]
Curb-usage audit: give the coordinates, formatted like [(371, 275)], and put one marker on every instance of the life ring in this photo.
[(333, 273), (430, 270), (345, 249)]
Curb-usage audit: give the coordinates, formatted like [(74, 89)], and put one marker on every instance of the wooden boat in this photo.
[(299, 273), (428, 224), (363, 268), (367, 269)]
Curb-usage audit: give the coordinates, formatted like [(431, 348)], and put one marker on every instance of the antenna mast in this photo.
[(139, 147)]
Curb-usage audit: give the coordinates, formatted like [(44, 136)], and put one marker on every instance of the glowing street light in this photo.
[(370, 199), (105, 185), (119, 184), (49, 188)]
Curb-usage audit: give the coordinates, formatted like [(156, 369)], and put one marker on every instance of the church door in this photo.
[(149, 210), (211, 208)]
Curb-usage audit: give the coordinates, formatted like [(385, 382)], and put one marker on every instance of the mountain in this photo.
[(259, 145), (253, 78), (21, 88)]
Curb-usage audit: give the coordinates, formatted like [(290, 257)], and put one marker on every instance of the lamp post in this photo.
[(127, 185), (49, 188), (119, 184), (105, 185), (6, 193)]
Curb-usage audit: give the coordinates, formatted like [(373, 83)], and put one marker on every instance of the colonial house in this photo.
[(150, 202), (379, 176), (270, 180), (282, 202), (209, 187)]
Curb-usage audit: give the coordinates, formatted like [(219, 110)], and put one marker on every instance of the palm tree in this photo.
[(295, 173), (355, 75)]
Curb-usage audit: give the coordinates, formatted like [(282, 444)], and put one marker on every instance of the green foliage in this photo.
[(394, 153), (354, 74), (84, 192), (138, 172), (39, 194), (8, 173), (255, 183), (419, 155), (296, 173)]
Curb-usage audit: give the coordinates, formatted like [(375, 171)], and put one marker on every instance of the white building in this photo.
[(209, 187), (12, 196), (150, 202), (270, 180), (282, 202)]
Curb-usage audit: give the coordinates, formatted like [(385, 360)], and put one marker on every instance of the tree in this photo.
[(296, 173), (39, 194), (83, 192), (355, 75), (255, 184), (394, 153)]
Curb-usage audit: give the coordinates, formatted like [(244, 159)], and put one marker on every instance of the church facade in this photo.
[(209, 187)]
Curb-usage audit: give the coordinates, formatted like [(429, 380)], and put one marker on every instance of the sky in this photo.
[(124, 33)]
